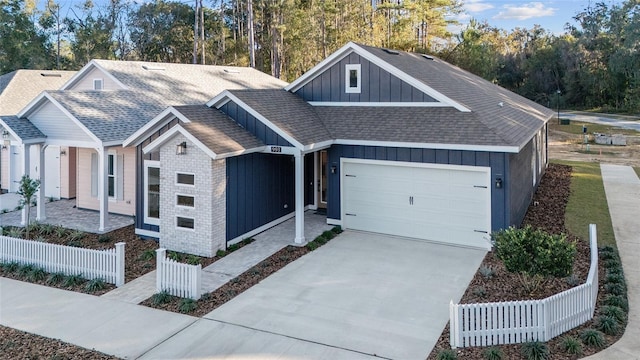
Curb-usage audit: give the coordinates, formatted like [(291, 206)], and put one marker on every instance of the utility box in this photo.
[(606, 139)]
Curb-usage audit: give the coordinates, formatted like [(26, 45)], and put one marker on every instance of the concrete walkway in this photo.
[(622, 187), (222, 271)]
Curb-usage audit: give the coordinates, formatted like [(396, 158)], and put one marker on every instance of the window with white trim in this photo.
[(185, 223), (185, 179), (185, 200), (352, 78), (98, 84), (111, 175), (152, 192)]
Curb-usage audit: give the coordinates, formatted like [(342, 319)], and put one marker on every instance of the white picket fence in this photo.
[(176, 278), (107, 265), (513, 322)]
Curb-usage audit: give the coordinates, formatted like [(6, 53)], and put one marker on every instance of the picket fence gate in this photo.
[(177, 279), (513, 322), (107, 265)]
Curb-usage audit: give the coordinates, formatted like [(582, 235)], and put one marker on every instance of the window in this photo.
[(185, 179), (111, 175), (352, 78), (97, 84), (152, 192), (114, 172), (185, 223), (185, 200)]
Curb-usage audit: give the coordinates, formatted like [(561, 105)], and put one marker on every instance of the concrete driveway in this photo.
[(361, 295)]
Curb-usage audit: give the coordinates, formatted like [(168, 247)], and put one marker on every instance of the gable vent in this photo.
[(427, 57), (232, 71), (153, 68), (392, 52), (50, 75)]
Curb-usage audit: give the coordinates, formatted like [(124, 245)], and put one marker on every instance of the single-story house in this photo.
[(386, 141), (103, 104)]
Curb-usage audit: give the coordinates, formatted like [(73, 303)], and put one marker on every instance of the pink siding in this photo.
[(86, 81), (68, 173), (4, 168)]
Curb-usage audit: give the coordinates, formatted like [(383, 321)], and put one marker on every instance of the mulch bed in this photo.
[(16, 344), (546, 212)]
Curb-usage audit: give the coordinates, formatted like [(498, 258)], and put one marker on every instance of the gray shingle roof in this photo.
[(23, 128), (287, 111), (514, 123), (216, 130), (19, 87)]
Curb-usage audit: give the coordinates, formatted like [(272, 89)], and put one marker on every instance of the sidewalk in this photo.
[(622, 187)]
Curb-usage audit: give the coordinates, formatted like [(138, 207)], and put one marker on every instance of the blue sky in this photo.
[(506, 14)]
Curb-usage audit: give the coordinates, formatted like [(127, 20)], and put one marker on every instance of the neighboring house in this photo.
[(385, 141), (17, 88), (103, 104)]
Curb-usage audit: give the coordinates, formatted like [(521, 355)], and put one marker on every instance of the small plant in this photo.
[(193, 260), (337, 229), (187, 305), (615, 289), (612, 263), (614, 312), (95, 285), (255, 271), (616, 271), (446, 354), (15, 232), (607, 324), (221, 253), (11, 267), (248, 241), (479, 291), (320, 240), (613, 278), (147, 255), (593, 338), (17, 208), (486, 272), (608, 255), (74, 243), (328, 235), (174, 256), (608, 249), (312, 246), (571, 345), (37, 274), (55, 278), (617, 300), (160, 298), (233, 247), (25, 269), (77, 235), (535, 350), (72, 280), (493, 353), (60, 231), (104, 238), (27, 190), (573, 280), (51, 199)]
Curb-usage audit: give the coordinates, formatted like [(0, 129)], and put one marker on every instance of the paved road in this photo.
[(625, 122)]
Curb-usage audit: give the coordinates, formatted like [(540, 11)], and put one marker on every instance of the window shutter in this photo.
[(94, 174), (120, 177)]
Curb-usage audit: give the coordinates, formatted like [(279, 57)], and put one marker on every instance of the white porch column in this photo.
[(299, 179), (26, 150), (316, 182), (40, 209), (103, 188)]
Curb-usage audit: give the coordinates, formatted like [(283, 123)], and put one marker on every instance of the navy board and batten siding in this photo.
[(521, 180), (253, 125), (497, 161), (376, 85)]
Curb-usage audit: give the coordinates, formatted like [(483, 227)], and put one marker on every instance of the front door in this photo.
[(322, 179)]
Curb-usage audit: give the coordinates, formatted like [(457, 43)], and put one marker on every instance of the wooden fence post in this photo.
[(119, 264), (160, 257)]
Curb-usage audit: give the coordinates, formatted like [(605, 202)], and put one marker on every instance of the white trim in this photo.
[(216, 100), (284, 150), (347, 78), (160, 120), (81, 73), (351, 47), (183, 184), (318, 146), (316, 175), (145, 202), (98, 81), (379, 104), (262, 228), (185, 195), (489, 148), (149, 233), (171, 133), (114, 154), (79, 144), (184, 228), (335, 222)]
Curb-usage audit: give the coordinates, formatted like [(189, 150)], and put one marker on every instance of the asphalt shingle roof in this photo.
[(23, 128), (19, 87), (216, 130)]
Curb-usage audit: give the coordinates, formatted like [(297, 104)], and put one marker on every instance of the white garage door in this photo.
[(444, 203)]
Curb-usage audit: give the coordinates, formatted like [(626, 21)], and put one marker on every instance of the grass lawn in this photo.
[(637, 169), (576, 128), (588, 203)]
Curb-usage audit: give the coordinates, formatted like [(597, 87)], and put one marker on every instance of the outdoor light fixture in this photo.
[(333, 169), (63, 153), (498, 183), (181, 149), (5, 134), (4, 147)]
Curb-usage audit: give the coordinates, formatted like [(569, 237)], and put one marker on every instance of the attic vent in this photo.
[(427, 57), (153, 68), (232, 71), (392, 52), (50, 75)]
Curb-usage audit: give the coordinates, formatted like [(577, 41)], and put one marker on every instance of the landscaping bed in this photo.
[(16, 344), (546, 212)]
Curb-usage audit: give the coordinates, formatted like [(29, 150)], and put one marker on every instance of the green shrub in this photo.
[(77, 235), (493, 353), (233, 247), (613, 278), (60, 231), (11, 267), (617, 300), (486, 272), (615, 271), (573, 280), (55, 278), (328, 234), (535, 350), (248, 241), (147, 255), (15, 232), (608, 256), (174, 256), (607, 324), (312, 246), (572, 345), (337, 229), (160, 298), (447, 354), (534, 252), (193, 260), (221, 253), (593, 338), (104, 238), (615, 289), (46, 229), (36, 274), (479, 291), (25, 269), (95, 285), (74, 243), (614, 312), (72, 280), (608, 249), (612, 263), (187, 305)]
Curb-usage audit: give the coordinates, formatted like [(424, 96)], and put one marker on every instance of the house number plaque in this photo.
[(276, 149)]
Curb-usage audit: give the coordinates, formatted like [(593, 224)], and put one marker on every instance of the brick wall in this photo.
[(209, 193)]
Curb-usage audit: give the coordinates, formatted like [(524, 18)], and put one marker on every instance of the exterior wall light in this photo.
[(63, 152), (181, 149), (5, 134), (499, 183), (333, 169)]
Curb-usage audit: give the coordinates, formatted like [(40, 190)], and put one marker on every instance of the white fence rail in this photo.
[(515, 322), (176, 278), (107, 265)]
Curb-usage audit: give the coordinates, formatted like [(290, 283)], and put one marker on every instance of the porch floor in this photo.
[(63, 213)]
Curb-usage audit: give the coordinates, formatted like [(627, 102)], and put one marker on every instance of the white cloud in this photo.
[(526, 11), (476, 6)]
